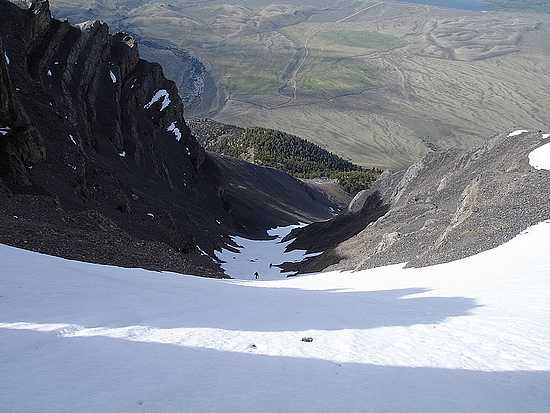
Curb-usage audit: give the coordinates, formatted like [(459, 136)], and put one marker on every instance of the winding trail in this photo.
[(293, 69)]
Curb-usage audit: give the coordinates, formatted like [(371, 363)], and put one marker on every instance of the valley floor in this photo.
[(471, 335)]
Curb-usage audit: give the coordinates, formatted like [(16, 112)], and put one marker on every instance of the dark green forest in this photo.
[(283, 151)]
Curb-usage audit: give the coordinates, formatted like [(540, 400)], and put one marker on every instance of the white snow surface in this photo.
[(113, 77), (49, 72), (467, 336), (256, 255), (545, 135), (72, 139), (172, 128), (6, 58), (160, 94), (517, 132), (4, 130), (87, 25), (540, 157)]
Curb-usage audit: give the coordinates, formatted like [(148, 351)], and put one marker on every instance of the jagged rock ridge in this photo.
[(97, 162)]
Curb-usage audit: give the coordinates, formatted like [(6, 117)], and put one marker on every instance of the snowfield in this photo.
[(468, 336), (257, 255)]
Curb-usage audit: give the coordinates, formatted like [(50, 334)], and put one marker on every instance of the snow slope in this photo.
[(257, 255), (471, 335)]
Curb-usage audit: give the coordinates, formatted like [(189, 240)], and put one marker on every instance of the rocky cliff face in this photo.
[(451, 205), (97, 162)]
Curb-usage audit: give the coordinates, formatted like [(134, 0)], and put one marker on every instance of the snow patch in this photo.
[(257, 255), (540, 157), (517, 132), (545, 135), (161, 94), (113, 77), (202, 251), (122, 154), (4, 130), (151, 215), (49, 72), (6, 58), (172, 128), (87, 25), (72, 139)]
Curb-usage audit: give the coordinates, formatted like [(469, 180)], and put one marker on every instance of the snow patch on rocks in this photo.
[(160, 94), (87, 25), (172, 128), (540, 157), (517, 132)]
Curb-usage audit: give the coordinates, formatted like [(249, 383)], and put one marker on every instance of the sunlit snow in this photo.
[(540, 157), (261, 256), (113, 77), (466, 336), (172, 128), (517, 132), (161, 94)]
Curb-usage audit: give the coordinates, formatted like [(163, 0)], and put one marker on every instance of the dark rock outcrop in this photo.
[(98, 163)]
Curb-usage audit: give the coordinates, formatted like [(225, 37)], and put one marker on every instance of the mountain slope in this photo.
[(97, 162), (283, 151), (451, 205), (466, 336)]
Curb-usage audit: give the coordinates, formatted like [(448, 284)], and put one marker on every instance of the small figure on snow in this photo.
[(256, 275)]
